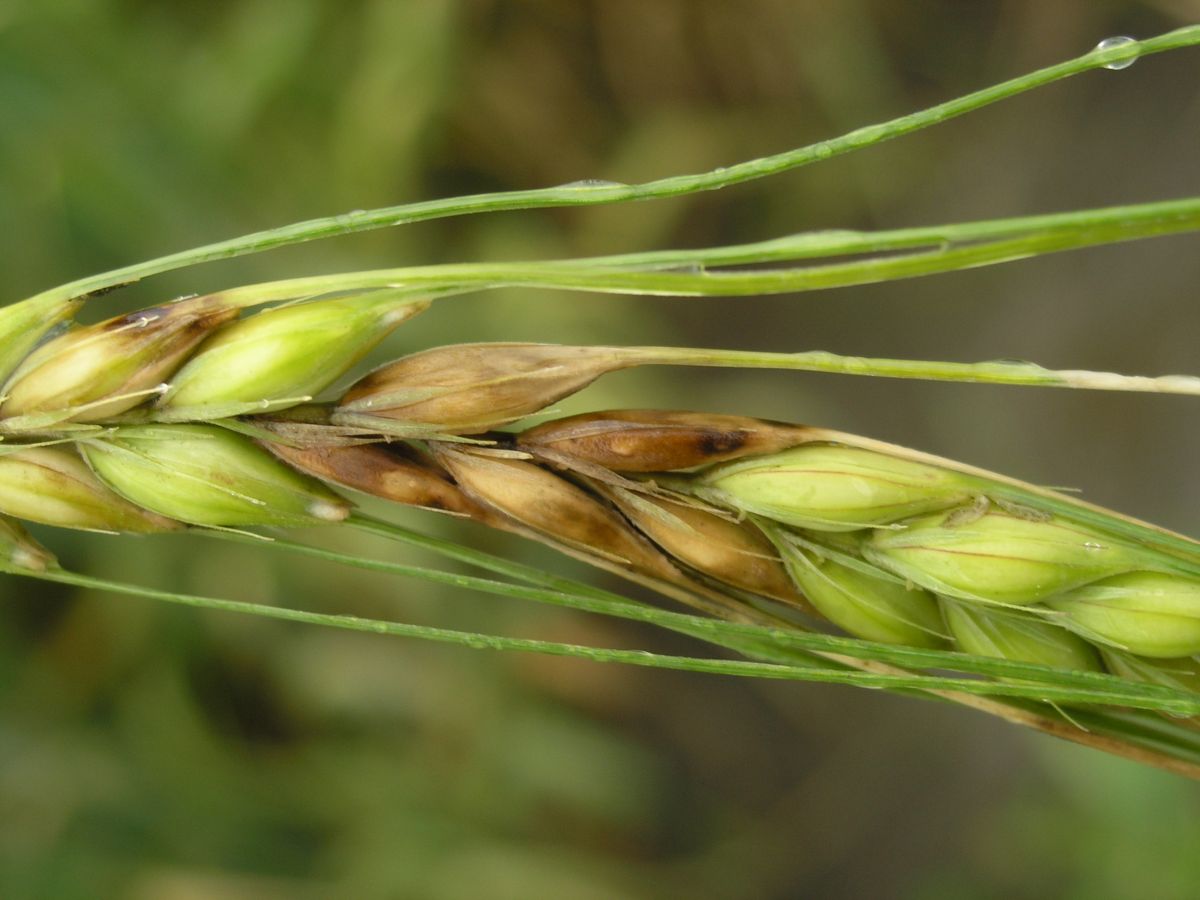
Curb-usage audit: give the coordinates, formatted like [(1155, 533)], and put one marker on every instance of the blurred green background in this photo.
[(167, 754)]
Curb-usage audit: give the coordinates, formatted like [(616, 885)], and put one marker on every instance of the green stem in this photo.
[(959, 246), (579, 596), (1013, 372), (845, 242), (740, 668), (587, 194)]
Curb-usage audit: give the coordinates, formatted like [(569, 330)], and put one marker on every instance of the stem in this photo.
[(956, 246), (474, 640), (1115, 690), (587, 194), (1155, 755), (993, 372)]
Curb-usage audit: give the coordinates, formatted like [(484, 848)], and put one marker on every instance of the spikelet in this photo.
[(205, 475), (862, 604), (282, 356), (96, 372), (999, 556), (468, 388), (736, 553), (24, 324), (54, 486), (19, 552), (648, 440), (1146, 613), (1022, 637), (552, 507), (832, 488), (393, 472)]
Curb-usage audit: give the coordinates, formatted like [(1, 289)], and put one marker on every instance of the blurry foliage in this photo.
[(166, 754)]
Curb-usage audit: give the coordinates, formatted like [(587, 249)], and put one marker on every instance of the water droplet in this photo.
[(1111, 44), (357, 212), (593, 183), (1092, 545)]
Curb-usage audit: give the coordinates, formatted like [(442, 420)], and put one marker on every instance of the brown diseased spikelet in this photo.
[(646, 440), (736, 553), (555, 508), (392, 471), (471, 387)]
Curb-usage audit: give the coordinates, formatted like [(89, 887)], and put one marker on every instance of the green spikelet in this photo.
[(1146, 613), (998, 555), (1009, 634), (52, 485), (832, 488), (1181, 673), (283, 356), (23, 324), (19, 552), (205, 475), (861, 604)]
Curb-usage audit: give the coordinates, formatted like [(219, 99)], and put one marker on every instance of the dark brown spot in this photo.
[(100, 292), (718, 443)]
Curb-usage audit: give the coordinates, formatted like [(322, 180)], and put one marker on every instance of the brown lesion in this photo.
[(193, 315)]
